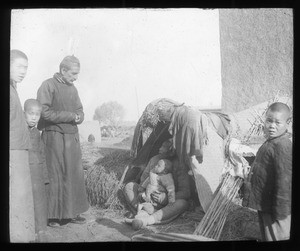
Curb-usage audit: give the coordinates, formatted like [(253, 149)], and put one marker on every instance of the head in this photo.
[(163, 166), (32, 110), (166, 147), (18, 66), (69, 68), (278, 117)]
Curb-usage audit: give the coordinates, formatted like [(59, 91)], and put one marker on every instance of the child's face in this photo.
[(276, 124), (32, 115), (159, 168)]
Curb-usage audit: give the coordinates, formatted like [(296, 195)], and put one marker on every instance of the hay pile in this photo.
[(114, 160), (99, 185), (103, 178), (241, 224)]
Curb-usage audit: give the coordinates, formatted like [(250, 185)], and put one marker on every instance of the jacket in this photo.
[(269, 188)]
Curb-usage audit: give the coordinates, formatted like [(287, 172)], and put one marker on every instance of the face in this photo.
[(70, 75), (276, 124), (164, 147), (32, 115), (159, 168), (18, 69)]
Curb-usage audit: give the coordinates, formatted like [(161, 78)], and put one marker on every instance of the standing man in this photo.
[(21, 209), (62, 111)]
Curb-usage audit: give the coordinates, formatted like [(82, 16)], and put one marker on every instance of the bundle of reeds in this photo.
[(214, 219)]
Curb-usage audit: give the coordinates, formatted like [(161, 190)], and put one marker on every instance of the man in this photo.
[(20, 200), (62, 111)]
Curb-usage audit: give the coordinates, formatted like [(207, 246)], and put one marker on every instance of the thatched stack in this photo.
[(99, 185)]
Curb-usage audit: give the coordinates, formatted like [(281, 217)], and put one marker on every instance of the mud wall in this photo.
[(256, 55)]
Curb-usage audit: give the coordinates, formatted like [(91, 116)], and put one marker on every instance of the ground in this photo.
[(107, 225)]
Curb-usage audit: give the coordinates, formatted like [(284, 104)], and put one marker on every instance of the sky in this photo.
[(132, 56)]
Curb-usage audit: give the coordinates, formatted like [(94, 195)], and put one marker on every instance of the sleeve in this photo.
[(145, 182), (79, 109), (281, 206), (183, 186), (45, 96), (43, 162), (168, 183), (148, 168)]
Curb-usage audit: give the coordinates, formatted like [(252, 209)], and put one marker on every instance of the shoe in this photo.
[(53, 224), (78, 220)]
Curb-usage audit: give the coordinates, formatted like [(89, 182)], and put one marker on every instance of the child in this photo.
[(38, 170), (269, 190), (160, 179)]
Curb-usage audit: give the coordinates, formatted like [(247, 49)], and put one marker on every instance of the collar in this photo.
[(285, 134), (59, 78)]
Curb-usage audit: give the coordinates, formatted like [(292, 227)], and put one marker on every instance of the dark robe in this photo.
[(61, 103)]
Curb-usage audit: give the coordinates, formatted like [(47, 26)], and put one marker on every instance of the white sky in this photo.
[(170, 53)]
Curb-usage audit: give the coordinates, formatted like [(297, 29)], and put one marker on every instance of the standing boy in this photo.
[(62, 111), (21, 210), (38, 169), (270, 181)]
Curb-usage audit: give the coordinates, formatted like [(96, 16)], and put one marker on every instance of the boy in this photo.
[(269, 190), (38, 169), (160, 179), (21, 210)]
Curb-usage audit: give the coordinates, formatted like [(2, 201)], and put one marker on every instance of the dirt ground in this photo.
[(107, 225)]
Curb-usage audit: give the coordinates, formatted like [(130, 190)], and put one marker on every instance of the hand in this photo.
[(141, 189), (158, 197), (77, 118)]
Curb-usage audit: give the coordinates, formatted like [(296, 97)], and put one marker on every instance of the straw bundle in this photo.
[(99, 185), (213, 221)]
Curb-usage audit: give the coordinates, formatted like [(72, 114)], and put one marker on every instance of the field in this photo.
[(107, 223)]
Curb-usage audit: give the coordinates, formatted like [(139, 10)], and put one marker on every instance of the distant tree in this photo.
[(110, 114)]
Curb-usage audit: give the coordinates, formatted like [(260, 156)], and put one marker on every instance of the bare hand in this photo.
[(158, 197), (77, 118)]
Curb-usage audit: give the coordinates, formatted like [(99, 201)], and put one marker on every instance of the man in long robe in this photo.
[(62, 111)]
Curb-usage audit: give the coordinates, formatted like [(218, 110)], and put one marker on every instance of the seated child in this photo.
[(268, 186), (160, 179), (38, 169)]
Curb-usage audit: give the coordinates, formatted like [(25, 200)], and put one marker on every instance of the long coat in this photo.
[(67, 194)]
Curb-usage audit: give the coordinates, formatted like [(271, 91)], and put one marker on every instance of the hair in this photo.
[(280, 107), (32, 103), (14, 54), (68, 61)]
